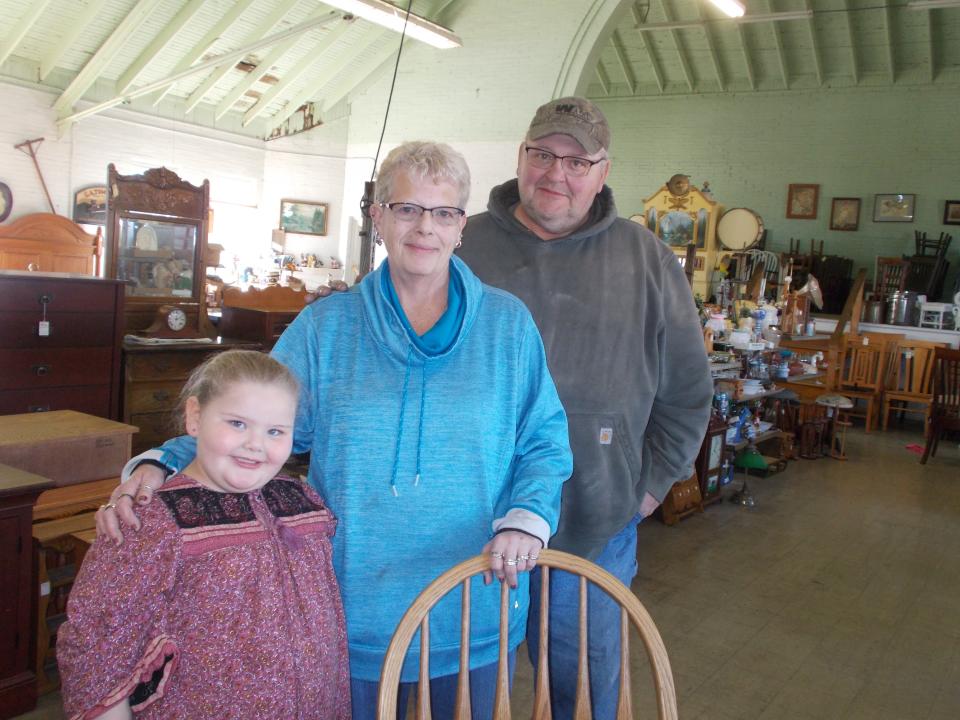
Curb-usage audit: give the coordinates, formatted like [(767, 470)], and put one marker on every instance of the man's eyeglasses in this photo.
[(571, 164), (409, 212)]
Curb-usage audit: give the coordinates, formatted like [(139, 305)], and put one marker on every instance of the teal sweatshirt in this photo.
[(422, 458)]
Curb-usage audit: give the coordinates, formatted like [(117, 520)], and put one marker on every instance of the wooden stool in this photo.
[(839, 404)]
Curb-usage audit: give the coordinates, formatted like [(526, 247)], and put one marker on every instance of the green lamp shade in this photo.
[(751, 459)]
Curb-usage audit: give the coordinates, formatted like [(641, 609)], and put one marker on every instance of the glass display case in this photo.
[(157, 258), (157, 239)]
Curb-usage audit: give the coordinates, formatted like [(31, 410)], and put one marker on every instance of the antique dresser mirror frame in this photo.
[(157, 228)]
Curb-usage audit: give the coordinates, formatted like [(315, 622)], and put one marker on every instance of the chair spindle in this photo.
[(581, 707), (501, 701), (423, 686), (464, 711), (541, 698), (624, 702)]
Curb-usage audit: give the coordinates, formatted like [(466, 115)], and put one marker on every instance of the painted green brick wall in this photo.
[(853, 143)]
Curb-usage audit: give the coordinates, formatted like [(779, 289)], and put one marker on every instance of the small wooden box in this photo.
[(66, 446)]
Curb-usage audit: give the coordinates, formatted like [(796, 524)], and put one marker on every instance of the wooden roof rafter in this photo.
[(814, 45), (209, 38), (678, 45), (854, 69), (103, 56), (888, 35), (156, 46), (931, 48), (778, 46), (711, 49), (76, 29), (624, 62), (747, 60), (654, 63), (15, 35), (221, 71)]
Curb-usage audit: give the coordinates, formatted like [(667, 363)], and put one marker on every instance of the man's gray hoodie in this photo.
[(624, 347)]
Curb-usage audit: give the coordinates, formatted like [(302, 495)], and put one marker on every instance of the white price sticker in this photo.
[(44, 328)]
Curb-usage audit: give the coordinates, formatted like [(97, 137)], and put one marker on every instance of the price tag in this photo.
[(43, 328)]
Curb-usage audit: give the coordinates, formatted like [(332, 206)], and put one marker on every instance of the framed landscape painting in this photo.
[(303, 216), (893, 207)]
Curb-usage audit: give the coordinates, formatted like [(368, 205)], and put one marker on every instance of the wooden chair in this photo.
[(632, 611), (863, 370), (890, 276), (936, 247), (945, 407), (910, 380)]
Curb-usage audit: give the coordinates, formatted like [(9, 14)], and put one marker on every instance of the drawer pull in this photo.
[(45, 299), (161, 395), (41, 369)]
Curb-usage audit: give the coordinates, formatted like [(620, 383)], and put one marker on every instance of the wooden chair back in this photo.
[(632, 613), (932, 246), (911, 368), (945, 407), (891, 276)]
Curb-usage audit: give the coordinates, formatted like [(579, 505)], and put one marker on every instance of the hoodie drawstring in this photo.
[(403, 414)]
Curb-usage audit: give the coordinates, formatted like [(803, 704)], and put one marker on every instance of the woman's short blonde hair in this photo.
[(423, 160), (212, 377)]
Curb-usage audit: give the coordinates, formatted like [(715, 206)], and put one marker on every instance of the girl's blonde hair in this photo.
[(212, 377)]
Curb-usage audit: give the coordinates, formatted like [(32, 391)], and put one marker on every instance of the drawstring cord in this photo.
[(403, 412), (423, 400)]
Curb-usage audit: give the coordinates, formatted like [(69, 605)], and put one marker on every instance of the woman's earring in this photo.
[(376, 236), (459, 242)]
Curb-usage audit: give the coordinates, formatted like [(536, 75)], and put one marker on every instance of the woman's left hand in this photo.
[(511, 552)]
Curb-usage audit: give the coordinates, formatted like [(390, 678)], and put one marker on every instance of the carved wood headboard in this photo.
[(49, 243)]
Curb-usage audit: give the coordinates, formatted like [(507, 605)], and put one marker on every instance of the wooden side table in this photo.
[(18, 606)]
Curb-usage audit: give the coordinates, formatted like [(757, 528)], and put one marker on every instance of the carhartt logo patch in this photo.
[(606, 436)]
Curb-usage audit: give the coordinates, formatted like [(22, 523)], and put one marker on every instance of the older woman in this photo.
[(434, 428)]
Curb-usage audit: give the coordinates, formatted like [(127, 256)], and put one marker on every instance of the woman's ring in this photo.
[(109, 506), (510, 562), (145, 487), (533, 558), (126, 495), (496, 554), (524, 557)]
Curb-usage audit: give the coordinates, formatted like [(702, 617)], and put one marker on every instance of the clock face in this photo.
[(176, 319)]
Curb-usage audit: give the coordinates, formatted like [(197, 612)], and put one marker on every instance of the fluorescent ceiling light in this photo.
[(391, 17), (768, 17), (932, 4), (730, 8)]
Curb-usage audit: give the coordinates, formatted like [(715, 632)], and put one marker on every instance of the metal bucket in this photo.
[(902, 308), (873, 312)]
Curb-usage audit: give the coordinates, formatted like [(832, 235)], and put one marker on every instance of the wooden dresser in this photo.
[(74, 362), (153, 376)]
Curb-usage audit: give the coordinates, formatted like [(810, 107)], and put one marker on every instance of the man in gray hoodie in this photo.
[(625, 350)]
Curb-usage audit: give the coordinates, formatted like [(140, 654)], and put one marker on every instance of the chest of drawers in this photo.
[(153, 376), (60, 343)]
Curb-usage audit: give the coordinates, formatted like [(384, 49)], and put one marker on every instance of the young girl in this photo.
[(224, 604)]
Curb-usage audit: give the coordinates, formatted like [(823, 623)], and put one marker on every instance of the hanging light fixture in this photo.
[(730, 8), (393, 18)]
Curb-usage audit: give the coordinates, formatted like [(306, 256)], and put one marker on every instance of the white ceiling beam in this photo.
[(211, 36), (624, 62), (216, 61), (747, 60), (77, 28), (854, 69), (603, 78), (104, 55), (384, 48), (714, 58), (277, 52), (931, 49), (22, 27), (681, 54), (157, 45), (223, 70), (778, 46), (814, 45), (888, 34), (292, 75), (654, 63)]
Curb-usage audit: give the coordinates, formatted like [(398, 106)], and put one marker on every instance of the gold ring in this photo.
[(146, 487), (132, 499), (109, 506)]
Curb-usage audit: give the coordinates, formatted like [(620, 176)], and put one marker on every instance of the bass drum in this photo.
[(739, 229)]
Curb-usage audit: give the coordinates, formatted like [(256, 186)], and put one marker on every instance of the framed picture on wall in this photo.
[(303, 216), (845, 214), (802, 201), (893, 207), (951, 212), (90, 205)]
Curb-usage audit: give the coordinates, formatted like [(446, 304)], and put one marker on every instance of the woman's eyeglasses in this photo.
[(409, 212), (571, 164)]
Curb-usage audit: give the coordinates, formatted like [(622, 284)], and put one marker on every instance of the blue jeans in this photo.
[(618, 557), (443, 694)]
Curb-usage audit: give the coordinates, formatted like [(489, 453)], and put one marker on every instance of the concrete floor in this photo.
[(838, 596)]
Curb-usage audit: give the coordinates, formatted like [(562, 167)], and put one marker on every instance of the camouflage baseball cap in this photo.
[(574, 116)]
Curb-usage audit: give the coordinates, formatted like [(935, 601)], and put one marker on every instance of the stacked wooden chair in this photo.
[(864, 363), (945, 406)]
